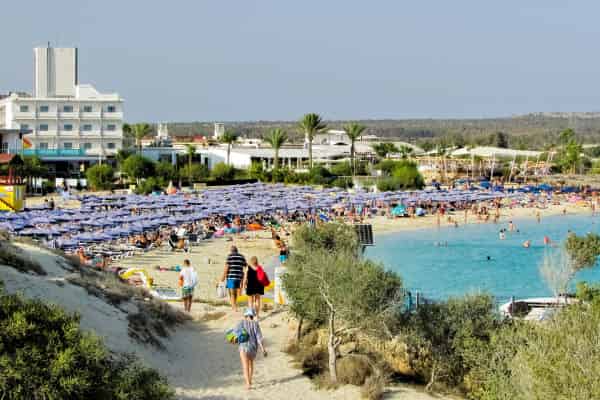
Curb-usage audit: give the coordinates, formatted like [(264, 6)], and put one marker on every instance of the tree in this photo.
[(165, 171), (139, 132), (500, 139), (190, 151), (566, 136), (228, 138), (100, 177), (583, 249), (311, 124), (320, 286), (354, 132), (138, 167), (277, 137), (384, 149), (128, 138)]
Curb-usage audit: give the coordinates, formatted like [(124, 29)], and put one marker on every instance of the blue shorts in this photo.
[(233, 284), (282, 258)]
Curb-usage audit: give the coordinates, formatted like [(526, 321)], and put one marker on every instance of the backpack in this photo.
[(237, 335), (262, 277)]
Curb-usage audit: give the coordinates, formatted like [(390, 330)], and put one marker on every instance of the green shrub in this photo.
[(149, 185), (408, 176), (166, 171), (388, 185), (256, 171), (342, 169), (343, 183), (222, 172), (320, 175), (100, 177), (138, 167), (44, 355), (198, 172)]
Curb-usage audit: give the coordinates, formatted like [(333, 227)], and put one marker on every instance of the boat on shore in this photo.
[(535, 308)]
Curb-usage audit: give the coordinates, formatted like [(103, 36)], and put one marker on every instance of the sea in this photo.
[(447, 262)]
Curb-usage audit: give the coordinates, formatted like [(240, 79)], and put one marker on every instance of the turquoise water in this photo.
[(462, 266)]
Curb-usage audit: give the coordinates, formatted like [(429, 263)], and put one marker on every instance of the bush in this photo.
[(373, 388), (342, 169), (256, 171), (408, 176), (138, 167), (353, 370), (44, 355), (441, 336), (343, 183), (198, 172), (319, 175), (388, 185), (222, 172), (100, 177), (166, 171), (22, 261), (149, 185)]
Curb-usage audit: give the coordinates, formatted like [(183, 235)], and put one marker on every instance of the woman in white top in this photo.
[(188, 279)]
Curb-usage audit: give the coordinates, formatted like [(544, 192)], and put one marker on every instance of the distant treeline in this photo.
[(532, 131)]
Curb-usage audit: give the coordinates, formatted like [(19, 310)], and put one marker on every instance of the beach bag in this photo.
[(237, 335), (180, 282), (262, 276), (221, 292)]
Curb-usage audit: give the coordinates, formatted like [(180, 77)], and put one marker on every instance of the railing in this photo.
[(54, 152)]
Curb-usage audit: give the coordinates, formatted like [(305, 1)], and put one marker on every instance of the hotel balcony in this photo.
[(112, 115), (48, 133), (90, 115), (68, 115), (25, 115), (73, 133), (94, 133), (47, 115)]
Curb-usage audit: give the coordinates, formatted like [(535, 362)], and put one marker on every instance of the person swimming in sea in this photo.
[(502, 235), (527, 244)]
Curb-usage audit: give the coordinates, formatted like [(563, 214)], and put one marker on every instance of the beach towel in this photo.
[(237, 335)]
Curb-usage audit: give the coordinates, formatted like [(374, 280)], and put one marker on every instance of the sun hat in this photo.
[(249, 312)]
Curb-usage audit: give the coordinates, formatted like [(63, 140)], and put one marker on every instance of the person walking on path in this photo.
[(249, 348), (254, 289), (188, 279), (233, 275)]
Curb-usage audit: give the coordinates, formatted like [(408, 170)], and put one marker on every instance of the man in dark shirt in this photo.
[(233, 274)]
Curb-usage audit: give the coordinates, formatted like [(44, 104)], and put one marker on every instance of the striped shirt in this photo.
[(236, 263)]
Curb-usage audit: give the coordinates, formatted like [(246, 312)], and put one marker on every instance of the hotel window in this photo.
[(67, 146), (111, 109), (87, 146), (68, 109), (43, 146), (67, 127), (87, 109), (24, 127), (23, 108), (111, 127), (43, 127), (86, 128), (110, 146), (44, 109)]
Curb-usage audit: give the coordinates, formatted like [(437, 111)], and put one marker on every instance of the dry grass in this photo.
[(106, 286), (353, 369), (374, 387), (14, 257), (213, 316), (210, 302)]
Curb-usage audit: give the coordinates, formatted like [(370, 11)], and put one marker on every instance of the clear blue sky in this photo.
[(275, 59)]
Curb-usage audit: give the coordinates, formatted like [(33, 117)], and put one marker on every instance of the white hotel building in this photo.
[(64, 120)]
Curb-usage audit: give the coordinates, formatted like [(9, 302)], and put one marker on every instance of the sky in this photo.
[(249, 60)]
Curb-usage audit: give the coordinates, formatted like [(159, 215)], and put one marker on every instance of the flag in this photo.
[(27, 144)]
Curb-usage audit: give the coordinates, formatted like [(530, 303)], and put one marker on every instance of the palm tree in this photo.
[(190, 150), (229, 138), (354, 131), (127, 135), (311, 124), (139, 132), (277, 138)]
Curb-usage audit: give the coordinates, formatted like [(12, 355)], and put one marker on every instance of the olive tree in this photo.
[(328, 283)]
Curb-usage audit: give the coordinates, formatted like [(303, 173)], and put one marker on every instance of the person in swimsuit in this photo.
[(249, 348), (254, 289)]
